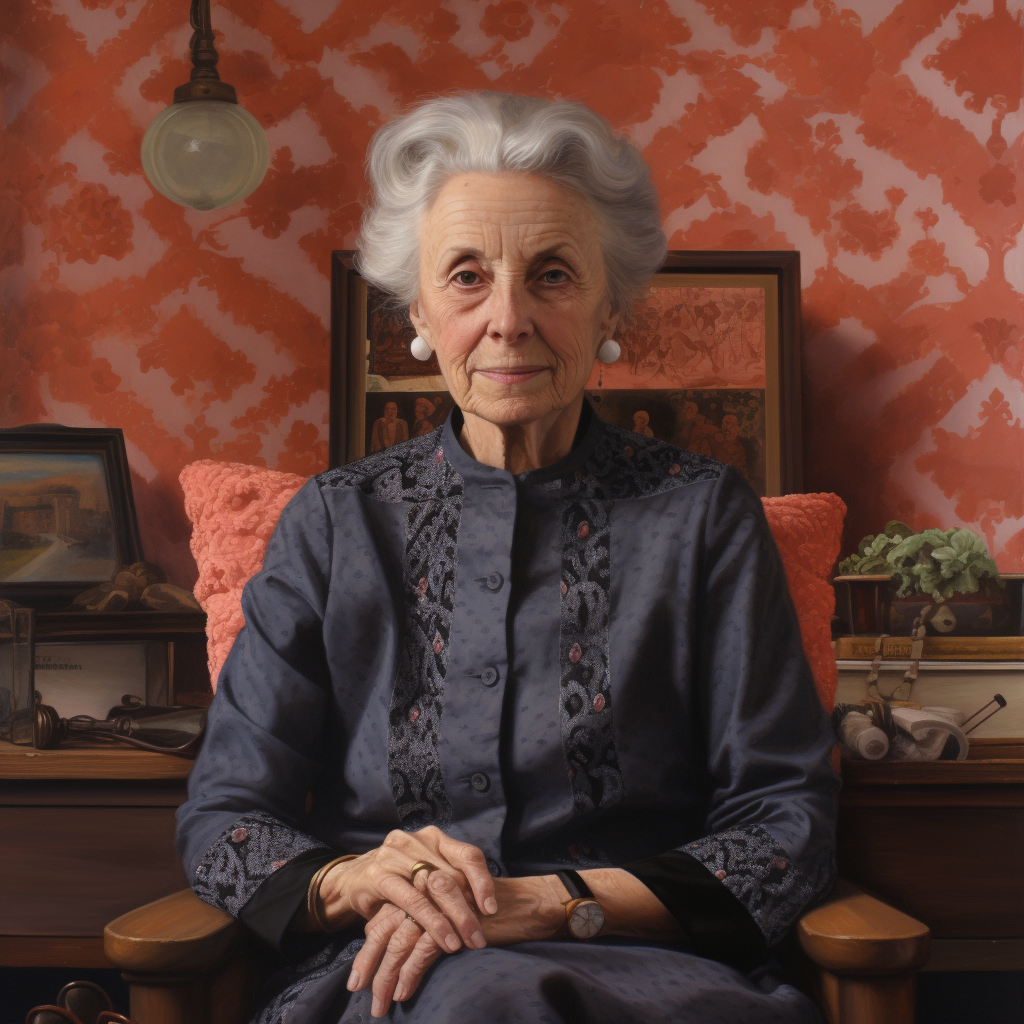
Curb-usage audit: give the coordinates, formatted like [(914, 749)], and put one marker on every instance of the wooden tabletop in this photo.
[(992, 771), (71, 626), (82, 760)]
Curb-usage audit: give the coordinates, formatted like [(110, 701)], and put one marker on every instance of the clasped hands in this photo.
[(410, 924)]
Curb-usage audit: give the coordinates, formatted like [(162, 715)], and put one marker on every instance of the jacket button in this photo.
[(480, 782), (494, 867), (489, 676), (494, 581)]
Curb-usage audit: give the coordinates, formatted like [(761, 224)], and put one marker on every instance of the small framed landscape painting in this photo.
[(67, 518), (710, 362)]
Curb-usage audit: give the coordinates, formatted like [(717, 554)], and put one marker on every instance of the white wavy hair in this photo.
[(412, 157)]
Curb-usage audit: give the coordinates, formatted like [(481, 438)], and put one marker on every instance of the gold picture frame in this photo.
[(710, 362)]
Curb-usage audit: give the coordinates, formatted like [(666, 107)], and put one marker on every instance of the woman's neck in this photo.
[(525, 446)]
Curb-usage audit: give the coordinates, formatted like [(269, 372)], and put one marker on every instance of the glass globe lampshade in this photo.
[(205, 153)]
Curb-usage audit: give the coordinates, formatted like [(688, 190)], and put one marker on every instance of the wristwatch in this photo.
[(584, 917)]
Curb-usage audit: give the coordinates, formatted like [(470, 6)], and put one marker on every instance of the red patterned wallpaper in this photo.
[(880, 138)]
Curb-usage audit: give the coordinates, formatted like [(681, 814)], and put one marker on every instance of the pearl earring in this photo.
[(609, 351), (420, 349)]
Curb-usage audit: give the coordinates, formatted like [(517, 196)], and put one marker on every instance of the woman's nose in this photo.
[(510, 320)]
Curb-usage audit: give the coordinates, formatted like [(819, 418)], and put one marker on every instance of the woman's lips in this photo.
[(513, 376)]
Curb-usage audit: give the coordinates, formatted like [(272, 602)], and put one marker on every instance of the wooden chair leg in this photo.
[(168, 999), (867, 999), (866, 954), (218, 998)]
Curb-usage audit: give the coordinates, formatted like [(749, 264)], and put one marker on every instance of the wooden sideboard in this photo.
[(944, 842), (86, 834)]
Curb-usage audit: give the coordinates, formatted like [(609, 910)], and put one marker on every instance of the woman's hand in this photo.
[(529, 909), (397, 951), (439, 900), (395, 956)]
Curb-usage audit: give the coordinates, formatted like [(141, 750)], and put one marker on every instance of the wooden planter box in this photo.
[(868, 605)]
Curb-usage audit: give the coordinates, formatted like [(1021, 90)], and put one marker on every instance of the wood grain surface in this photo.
[(940, 840), (81, 760), (67, 871), (972, 772), (177, 933), (52, 951), (854, 933)]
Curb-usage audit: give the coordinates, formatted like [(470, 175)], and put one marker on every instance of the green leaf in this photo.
[(969, 542), (965, 583), (907, 548), (987, 567), (876, 564), (865, 543), (878, 545), (908, 585), (894, 528)]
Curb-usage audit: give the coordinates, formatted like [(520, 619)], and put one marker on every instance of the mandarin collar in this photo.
[(589, 432)]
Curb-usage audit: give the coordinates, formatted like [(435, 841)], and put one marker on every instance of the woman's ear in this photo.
[(610, 321), (418, 322)]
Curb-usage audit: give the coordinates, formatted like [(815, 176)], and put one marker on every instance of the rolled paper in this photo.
[(925, 733), (863, 737)]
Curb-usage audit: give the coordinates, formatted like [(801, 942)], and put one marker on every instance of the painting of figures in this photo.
[(695, 331), (727, 425), (393, 416), (388, 333), (55, 519)]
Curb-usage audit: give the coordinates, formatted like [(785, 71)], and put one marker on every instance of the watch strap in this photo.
[(574, 884)]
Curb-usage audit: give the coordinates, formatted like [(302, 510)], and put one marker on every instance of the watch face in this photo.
[(586, 919)]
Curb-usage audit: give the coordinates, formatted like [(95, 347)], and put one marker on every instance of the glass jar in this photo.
[(17, 673)]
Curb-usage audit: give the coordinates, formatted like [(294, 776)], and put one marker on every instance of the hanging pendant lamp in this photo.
[(205, 151)]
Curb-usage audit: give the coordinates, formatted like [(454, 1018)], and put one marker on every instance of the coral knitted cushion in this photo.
[(234, 509), (808, 529)]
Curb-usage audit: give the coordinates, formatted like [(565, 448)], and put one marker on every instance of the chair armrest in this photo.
[(854, 933), (179, 933)]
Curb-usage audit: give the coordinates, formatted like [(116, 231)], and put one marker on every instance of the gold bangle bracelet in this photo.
[(313, 892)]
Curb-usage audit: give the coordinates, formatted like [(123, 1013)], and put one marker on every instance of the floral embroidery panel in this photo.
[(761, 875), (244, 856)]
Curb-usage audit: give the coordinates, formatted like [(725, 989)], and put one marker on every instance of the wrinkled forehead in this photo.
[(506, 217)]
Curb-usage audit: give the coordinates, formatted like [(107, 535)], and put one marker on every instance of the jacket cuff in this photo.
[(273, 905), (245, 855), (750, 864), (717, 925)]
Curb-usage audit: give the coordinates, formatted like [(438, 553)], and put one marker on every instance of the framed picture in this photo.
[(710, 362), (67, 518), (89, 679)]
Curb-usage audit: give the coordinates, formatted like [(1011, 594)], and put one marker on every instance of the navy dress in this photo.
[(597, 663)]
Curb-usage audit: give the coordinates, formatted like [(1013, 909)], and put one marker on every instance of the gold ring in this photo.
[(421, 865)]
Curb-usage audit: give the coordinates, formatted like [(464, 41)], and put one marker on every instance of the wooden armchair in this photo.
[(189, 963)]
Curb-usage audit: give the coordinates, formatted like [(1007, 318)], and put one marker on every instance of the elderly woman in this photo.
[(520, 716)]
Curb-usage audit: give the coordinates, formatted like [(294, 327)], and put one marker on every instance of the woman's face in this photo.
[(513, 296)]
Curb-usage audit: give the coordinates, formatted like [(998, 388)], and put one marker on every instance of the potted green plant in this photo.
[(947, 576)]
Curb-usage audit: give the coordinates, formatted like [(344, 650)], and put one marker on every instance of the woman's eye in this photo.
[(463, 274), (546, 276)]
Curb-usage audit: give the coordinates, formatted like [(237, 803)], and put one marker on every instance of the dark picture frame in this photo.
[(710, 361), (69, 487)]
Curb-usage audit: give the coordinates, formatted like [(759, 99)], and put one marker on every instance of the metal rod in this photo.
[(204, 83), (204, 53), (999, 700)]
